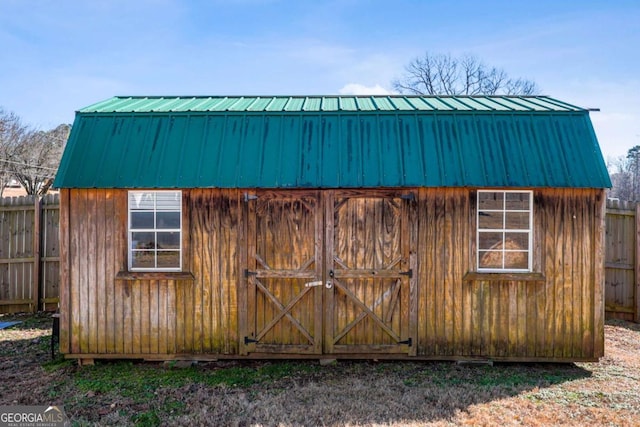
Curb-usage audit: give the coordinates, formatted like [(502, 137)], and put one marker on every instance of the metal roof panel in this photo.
[(331, 142)]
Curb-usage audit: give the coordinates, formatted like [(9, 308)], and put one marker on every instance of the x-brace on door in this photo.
[(329, 273)]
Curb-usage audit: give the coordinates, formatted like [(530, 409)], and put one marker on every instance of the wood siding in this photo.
[(554, 315), (448, 310), (107, 311)]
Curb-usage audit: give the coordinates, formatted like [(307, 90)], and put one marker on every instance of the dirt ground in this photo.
[(291, 393)]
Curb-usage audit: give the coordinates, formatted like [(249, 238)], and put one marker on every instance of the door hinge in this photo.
[(407, 342), (408, 273), (248, 340), (408, 196), (248, 197), (248, 273)]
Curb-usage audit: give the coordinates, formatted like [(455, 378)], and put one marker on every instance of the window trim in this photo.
[(130, 232), (530, 231)]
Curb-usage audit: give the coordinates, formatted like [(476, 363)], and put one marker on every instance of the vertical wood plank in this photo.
[(145, 314), (109, 271), (318, 292), (91, 307), (510, 325), (232, 269), (552, 275), (246, 243), (439, 251), (598, 274), (82, 265), (432, 281), (100, 286), (500, 308), (152, 344), (522, 337), (590, 280), (205, 247), (469, 249), (567, 272), (580, 237), (173, 320), (414, 280), (540, 263), (164, 317), (66, 284), (36, 278), (119, 263), (636, 262), (456, 263), (199, 217), (330, 303)]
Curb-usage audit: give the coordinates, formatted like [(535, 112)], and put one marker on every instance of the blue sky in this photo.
[(61, 55)]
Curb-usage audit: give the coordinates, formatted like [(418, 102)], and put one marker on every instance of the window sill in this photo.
[(154, 275), (506, 276)]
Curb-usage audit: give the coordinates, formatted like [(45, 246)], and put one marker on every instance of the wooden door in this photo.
[(369, 308), (284, 273)]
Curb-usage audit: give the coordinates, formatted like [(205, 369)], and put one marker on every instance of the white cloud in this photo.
[(358, 89)]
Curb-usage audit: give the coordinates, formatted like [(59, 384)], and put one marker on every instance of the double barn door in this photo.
[(328, 273)]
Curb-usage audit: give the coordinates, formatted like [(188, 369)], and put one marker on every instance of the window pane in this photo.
[(141, 219), (155, 230), (143, 240), (518, 241), (517, 220), (492, 240), (516, 260), (168, 240), (141, 200), (142, 259), (490, 200), (169, 259), (490, 220), (168, 220), (490, 259), (168, 200), (517, 201)]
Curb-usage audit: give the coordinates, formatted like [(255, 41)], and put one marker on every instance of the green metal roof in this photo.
[(332, 142), (399, 103)]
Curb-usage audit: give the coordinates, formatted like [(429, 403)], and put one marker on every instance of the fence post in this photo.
[(637, 266), (36, 253)]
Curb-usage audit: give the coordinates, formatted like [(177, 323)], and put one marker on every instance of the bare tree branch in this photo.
[(29, 156), (625, 175), (440, 74), (11, 132)]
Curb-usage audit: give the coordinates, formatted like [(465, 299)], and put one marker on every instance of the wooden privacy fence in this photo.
[(622, 260), (29, 253)]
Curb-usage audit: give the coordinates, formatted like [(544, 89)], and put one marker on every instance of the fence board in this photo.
[(29, 253), (622, 283)]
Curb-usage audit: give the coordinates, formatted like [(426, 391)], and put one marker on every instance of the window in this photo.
[(504, 230), (155, 230)]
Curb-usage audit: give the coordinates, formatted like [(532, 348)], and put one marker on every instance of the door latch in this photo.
[(312, 284)]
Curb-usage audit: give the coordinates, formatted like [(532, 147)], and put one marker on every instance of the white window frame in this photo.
[(155, 210), (505, 230)]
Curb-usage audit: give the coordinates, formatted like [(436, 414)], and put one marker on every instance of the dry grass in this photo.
[(304, 393)]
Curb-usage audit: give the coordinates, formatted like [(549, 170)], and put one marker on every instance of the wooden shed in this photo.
[(404, 227)]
